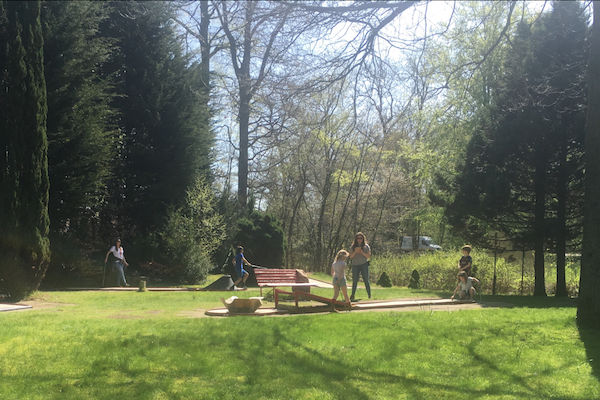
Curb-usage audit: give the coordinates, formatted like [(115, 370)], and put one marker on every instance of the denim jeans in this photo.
[(364, 271), (120, 274)]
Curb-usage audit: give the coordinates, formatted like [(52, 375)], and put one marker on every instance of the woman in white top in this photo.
[(120, 262)]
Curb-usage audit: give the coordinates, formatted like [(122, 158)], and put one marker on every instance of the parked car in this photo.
[(425, 243)]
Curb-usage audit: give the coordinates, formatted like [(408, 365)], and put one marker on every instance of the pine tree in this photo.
[(517, 164), (24, 243), (166, 139), (81, 131)]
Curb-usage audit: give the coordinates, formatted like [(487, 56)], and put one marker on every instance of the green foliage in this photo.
[(192, 234), (415, 280), (384, 280), (166, 139), (81, 129), (438, 270), (24, 244), (262, 237), (536, 110)]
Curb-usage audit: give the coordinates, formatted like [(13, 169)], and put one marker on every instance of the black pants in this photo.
[(363, 270)]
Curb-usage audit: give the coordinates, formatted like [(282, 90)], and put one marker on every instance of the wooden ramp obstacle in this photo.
[(298, 295)]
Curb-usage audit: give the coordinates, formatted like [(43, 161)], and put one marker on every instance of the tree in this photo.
[(166, 141), (251, 27), (192, 234), (588, 308), (80, 124), (24, 244), (524, 147)]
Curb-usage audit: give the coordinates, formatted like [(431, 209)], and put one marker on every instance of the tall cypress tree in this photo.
[(24, 244), (81, 123)]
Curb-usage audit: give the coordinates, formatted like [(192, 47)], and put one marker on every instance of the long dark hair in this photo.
[(355, 243)]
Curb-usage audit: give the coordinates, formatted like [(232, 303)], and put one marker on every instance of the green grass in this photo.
[(106, 345)]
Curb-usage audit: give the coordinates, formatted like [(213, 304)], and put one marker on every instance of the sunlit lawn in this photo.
[(107, 345)]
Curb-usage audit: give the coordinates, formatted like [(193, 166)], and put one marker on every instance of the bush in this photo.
[(384, 280), (415, 280), (437, 271), (191, 235)]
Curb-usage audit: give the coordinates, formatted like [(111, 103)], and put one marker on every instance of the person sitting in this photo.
[(465, 289)]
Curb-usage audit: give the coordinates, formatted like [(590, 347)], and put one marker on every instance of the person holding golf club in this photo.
[(120, 262)]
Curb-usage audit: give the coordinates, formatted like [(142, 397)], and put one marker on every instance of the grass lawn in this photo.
[(107, 345)]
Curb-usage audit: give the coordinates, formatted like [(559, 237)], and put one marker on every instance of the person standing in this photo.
[(338, 273), (120, 262), (360, 253), (239, 261), (466, 262)]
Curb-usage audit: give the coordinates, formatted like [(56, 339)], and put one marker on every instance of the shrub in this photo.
[(191, 235), (415, 280), (384, 280), (437, 271)]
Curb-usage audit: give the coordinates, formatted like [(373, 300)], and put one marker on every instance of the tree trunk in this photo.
[(244, 117), (561, 218), (588, 309), (539, 223)]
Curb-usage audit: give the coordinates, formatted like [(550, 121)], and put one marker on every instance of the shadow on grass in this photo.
[(591, 341), (248, 358), (530, 301)]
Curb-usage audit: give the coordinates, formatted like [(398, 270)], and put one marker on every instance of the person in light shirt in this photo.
[(120, 262), (338, 273), (360, 253)]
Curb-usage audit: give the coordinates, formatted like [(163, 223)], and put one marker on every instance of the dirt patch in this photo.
[(125, 316), (198, 313), (42, 305)]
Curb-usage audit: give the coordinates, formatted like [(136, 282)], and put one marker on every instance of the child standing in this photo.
[(466, 262), (239, 262), (338, 272), (464, 290)]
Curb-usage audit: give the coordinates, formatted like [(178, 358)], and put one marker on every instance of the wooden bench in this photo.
[(273, 278)]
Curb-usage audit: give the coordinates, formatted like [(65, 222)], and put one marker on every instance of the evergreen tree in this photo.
[(166, 140), (24, 243), (81, 130), (520, 164), (588, 307)]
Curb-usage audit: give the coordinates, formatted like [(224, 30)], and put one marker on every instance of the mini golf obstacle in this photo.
[(237, 306), (298, 295), (331, 305)]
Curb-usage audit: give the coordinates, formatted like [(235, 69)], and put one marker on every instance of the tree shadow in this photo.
[(527, 301), (591, 341)]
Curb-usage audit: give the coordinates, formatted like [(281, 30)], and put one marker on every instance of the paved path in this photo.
[(13, 307)]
